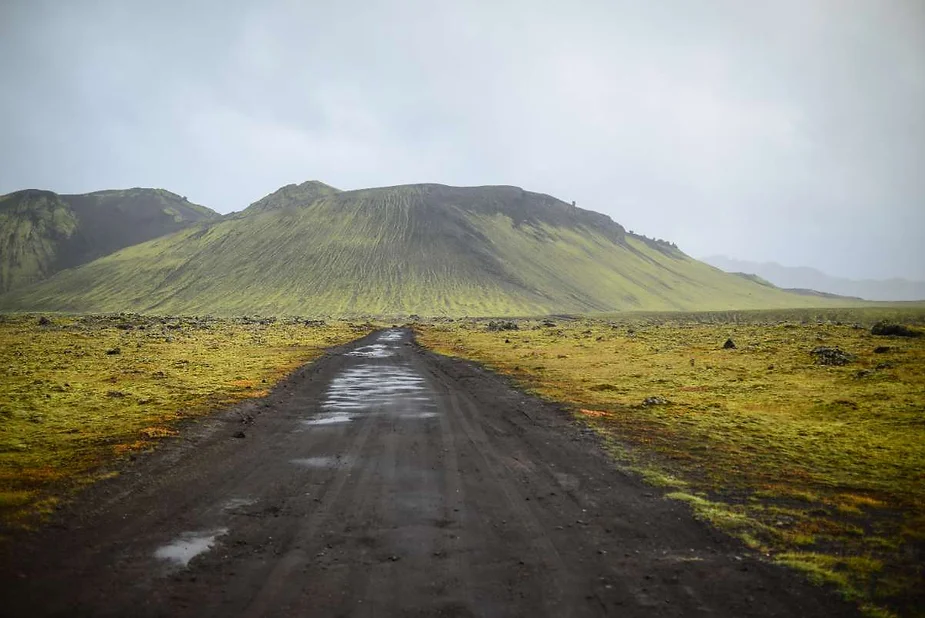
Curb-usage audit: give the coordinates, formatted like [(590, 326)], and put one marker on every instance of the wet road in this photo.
[(387, 481)]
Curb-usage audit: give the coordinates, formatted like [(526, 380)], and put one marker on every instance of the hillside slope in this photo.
[(426, 249), (42, 232)]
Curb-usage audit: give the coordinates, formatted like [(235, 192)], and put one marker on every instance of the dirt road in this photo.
[(384, 480)]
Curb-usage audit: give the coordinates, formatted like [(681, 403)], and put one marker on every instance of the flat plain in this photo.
[(386, 480), (806, 440)]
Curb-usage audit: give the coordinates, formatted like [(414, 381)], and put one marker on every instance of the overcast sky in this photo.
[(773, 131)]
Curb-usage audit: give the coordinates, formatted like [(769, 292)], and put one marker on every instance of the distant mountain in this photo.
[(427, 249), (42, 232), (809, 279)]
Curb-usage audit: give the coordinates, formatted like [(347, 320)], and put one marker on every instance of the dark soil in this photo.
[(446, 493)]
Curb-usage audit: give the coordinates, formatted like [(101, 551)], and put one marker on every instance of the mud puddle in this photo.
[(189, 545), (321, 462), (396, 389)]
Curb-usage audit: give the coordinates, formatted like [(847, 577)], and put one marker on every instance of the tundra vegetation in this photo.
[(78, 393), (805, 439)]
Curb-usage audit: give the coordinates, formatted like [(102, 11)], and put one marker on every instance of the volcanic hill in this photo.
[(42, 232), (416, 249)]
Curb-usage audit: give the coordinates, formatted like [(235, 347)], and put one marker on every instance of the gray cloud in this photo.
[(788, 131)]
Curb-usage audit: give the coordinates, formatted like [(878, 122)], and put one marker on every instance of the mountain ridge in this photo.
[(426, 249), (807, 278), (43, 232)]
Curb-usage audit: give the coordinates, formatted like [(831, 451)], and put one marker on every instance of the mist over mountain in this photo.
[(427, 249), (811, 279), (42, 232)]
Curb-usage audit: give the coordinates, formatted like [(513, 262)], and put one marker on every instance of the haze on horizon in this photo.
[(791, 132)]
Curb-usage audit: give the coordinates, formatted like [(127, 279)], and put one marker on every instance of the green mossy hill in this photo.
[(42, 232), (415, 249)]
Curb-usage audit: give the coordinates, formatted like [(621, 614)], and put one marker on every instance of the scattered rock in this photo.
[(655, 401), (729, 345), (888, 329), (113, 351), (502, 325), (239, 434), (831, 356), (882, 349), (43, 321), (115, 394)]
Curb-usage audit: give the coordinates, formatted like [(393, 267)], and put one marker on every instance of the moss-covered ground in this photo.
[(78, 392), (818, 466)]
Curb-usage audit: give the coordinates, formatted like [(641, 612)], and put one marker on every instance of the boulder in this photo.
[(889, 329), (831, 356)]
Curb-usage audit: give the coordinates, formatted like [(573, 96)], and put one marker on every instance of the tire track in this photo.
[(274, 587), (542, 545)]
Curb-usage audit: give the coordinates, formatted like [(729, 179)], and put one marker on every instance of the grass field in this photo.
[(79, 392), (818, 466)]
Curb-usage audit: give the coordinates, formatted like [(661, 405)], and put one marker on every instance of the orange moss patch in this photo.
[(593, 413), (159, 432), (129, 447)]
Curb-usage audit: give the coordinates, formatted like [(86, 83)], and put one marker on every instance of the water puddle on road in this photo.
[(379, 349), (363, 387), (390, 336), (376, 350), (366, 386), (329, 419), (321, 462), (238, 503), (189, 545), (382, 388), (415, 415)]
